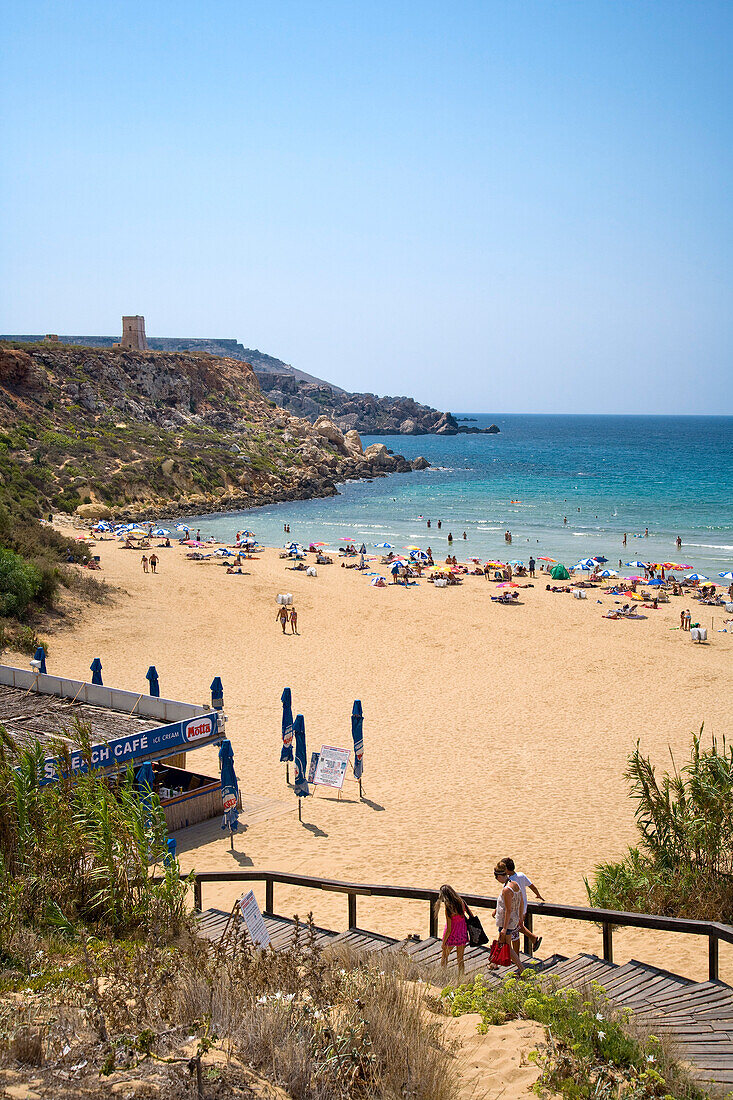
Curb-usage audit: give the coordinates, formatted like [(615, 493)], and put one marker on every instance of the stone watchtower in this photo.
[(133, 333)]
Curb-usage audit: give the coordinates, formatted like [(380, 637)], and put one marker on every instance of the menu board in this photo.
[(331, 767)]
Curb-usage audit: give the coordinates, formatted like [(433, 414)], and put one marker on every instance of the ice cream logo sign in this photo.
[(162, 740), (198, 728), (228, 798)]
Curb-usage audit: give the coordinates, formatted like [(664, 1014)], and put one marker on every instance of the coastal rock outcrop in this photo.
[(329, 431), (122, 432), (353, 442), (420, 463)]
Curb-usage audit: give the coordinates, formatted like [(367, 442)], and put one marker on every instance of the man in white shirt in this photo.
[(524, 881)]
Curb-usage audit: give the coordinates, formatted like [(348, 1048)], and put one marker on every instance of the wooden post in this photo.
[(352, 910), (712, 957), (197, 905), (269, 898), (528, 943), (287, 773), (300, 809), (361, 795), (607, 941), (433, 920)]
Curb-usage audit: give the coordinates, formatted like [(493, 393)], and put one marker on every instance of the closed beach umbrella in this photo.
[(559, 572), (357, 732), (229, 789), (152, 677), (286, 752), (300, 784), (96, 671), (144, 783)]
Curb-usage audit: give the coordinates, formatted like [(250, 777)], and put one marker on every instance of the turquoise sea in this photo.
[(606, 474)]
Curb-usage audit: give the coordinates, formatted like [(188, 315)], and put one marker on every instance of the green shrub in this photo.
[(25, 640), (20, 582), (590, 1052), (683, 864)]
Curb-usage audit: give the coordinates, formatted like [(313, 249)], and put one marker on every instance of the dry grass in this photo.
[(199, 1021)]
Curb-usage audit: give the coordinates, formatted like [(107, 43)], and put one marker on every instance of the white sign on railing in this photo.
[(254, 920)]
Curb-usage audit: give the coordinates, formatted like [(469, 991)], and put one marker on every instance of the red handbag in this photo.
[(499, 953)]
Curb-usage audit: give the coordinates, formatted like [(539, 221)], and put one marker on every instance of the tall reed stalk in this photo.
[(683, 863), (81, 851)]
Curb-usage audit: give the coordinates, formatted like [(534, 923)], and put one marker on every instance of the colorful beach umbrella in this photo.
[(553, 560), (229, 789), (696, 577), (636, 564), (300, 784), (357, 732), (726, 576), (286, 752), (609, 573), (384, 545)]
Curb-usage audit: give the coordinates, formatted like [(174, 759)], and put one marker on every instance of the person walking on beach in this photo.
[(688, 619), (154, 562), (532, 564), (455, 933), (293, 621), (509, 912), (524, 881), (282, 615), (144, 561)]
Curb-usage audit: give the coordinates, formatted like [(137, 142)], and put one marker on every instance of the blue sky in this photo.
[(515, 206)]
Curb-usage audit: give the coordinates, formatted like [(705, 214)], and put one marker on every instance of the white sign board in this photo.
[(332, 764), (254, 921)]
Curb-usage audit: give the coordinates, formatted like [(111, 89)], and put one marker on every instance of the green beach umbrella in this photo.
[(559, 573)]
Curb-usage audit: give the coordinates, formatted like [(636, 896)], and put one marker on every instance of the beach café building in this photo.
[(126, 729)]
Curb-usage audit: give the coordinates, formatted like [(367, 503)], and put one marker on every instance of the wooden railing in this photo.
[(608, 919)]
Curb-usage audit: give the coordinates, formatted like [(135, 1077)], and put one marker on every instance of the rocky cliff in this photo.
[(306, 396), (161, 433)]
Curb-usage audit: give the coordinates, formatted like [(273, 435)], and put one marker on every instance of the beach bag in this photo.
[(499, 954), (476, 935)]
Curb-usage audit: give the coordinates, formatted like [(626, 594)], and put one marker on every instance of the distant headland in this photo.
[(298, 393)]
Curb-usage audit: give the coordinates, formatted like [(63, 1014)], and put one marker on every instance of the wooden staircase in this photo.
[(696, 1017)]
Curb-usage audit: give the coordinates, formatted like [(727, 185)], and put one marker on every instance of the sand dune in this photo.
[(489, 730)]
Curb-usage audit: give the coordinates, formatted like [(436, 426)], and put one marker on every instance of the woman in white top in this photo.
[(509, 912)]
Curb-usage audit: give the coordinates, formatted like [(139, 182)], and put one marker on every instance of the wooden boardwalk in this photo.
[(695, 1017)]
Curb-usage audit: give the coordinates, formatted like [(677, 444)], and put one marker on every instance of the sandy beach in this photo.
[(489, 730)]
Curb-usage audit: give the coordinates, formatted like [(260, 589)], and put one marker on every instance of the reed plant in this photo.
[(683, 862), (79, 852)]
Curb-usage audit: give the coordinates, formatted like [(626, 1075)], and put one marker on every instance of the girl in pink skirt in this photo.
[(455, 933)]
